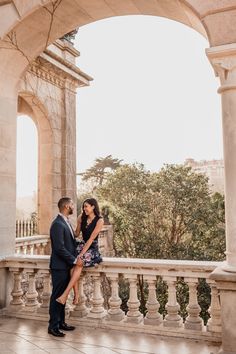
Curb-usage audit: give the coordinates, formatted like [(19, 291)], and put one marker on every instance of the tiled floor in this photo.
[(31, 337)]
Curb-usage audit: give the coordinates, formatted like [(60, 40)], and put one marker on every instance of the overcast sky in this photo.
[(153, 99)]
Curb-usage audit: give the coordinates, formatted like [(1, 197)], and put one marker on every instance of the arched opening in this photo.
[(152, 100), (26, 177), (31, 105)]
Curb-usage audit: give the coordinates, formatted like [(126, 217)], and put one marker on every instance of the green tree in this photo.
[(101, 168), (170, 214)]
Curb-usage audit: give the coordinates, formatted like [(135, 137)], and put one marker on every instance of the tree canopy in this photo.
[(169, 214), (102, 166)]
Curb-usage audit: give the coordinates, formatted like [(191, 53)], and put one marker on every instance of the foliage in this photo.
[(170, 214), (100, 169)]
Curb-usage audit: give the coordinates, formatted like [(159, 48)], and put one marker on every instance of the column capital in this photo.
[(223, 60)]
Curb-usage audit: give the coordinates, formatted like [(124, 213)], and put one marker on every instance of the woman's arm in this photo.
[(78, 227), (92, 237)]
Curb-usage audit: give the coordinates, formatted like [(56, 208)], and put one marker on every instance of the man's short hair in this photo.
[(63, 202)]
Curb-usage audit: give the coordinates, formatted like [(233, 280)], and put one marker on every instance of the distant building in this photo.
[(213, 169)]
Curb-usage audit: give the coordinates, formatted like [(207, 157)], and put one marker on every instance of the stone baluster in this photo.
[(214, 323), (31, 295), (152, 317), (24, 249), (44, 308), (43, 248), (31, 247), (114, 313), (17, 302), (80, 309), (172, 319), (133, 315), (97, 310), (37, 249), (193, 321)]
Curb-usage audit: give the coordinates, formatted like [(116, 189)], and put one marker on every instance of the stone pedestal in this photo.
[(226, 283)]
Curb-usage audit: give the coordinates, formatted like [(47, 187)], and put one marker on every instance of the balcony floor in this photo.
[(30, 337)]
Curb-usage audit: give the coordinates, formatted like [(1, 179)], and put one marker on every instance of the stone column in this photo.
[(68, 160), (223, 60), (8, 113)]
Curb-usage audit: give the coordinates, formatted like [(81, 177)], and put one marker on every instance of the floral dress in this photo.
[(92, 256)]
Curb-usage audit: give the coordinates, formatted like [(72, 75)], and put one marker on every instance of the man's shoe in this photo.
[(56, 332), (66, 327)]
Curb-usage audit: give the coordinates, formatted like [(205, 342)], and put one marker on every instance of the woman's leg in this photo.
[(73, 282)]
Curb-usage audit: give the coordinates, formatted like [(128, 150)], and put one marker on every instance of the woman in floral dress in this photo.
[(89, 223)]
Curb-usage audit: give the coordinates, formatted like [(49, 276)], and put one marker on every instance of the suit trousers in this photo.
[(60, 280)]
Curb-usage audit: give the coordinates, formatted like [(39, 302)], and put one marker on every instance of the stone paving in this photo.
[(20, 336)]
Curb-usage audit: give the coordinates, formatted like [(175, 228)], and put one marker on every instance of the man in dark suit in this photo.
[(63, 258)]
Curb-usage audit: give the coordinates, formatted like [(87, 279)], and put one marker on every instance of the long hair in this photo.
[(96, 210)]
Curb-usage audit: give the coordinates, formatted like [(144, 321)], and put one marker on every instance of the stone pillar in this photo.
[(223, 60), (8, 114), (68, 160)]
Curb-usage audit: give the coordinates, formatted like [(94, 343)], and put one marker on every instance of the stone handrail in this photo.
[(40, 244), (33, 245), (29, 303)]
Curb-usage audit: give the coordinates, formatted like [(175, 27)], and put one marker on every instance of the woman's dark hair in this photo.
[(96, 210)]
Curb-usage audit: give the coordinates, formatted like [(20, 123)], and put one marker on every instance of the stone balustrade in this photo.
[(33, 245), (26, 227), (40, 244), (31, 302)]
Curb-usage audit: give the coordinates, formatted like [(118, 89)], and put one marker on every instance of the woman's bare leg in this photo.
[(73, 281), (76, 294)]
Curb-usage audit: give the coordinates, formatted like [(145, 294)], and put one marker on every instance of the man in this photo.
[(63, 258)]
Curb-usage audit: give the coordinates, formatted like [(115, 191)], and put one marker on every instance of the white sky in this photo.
[(153, 99)]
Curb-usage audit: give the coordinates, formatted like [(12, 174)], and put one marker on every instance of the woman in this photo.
[(90, 223)]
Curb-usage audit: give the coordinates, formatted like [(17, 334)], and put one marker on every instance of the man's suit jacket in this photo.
[(63, 245)]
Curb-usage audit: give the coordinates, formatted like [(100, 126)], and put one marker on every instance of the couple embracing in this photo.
[(69, 256)]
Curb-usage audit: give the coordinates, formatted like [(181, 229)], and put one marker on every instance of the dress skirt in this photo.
[(92, 256)]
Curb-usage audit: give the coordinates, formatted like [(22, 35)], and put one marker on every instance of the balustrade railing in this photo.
[(103, 303), (33, 245), (26, 228), (40, 244)]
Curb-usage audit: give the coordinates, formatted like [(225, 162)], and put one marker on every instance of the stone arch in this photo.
[(31, 105), (39, 26)]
